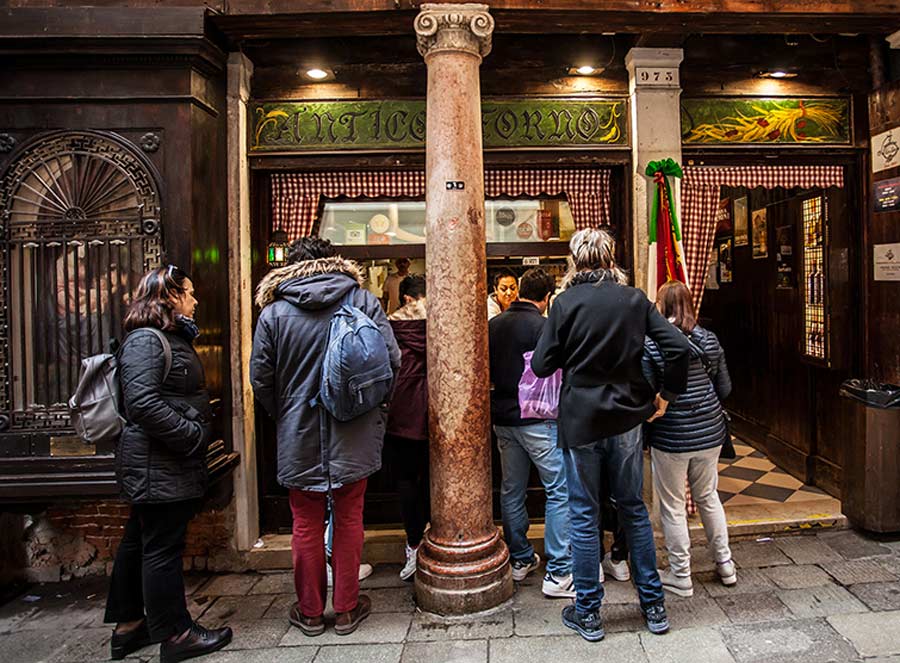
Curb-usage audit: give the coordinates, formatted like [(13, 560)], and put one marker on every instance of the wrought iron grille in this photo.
[(80, 215)]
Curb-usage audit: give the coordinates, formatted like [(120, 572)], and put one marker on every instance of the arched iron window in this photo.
[(80, 215)]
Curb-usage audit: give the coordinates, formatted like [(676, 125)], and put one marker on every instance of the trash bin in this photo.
[(871, 484)]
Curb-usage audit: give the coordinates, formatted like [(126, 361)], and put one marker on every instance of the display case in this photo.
[(816, 319)]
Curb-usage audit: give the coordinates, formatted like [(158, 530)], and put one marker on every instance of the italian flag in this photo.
[(666, 261)]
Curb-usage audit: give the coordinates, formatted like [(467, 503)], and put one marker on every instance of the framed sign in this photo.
[(724, 222), (760, 231), (740, 221), (726, 260), (886, 150), (887, 195)]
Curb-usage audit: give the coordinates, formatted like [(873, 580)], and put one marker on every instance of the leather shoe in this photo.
[(198, 642), (311, 626), (123, 644), (347, 622)]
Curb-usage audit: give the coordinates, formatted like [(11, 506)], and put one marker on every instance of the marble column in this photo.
[(655, 102), (463, 561)]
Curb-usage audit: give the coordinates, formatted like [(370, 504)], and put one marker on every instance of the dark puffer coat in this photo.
[(161, 456), (695, 421), (298, 301)]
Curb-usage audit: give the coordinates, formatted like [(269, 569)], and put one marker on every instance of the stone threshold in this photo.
[(386, 545)]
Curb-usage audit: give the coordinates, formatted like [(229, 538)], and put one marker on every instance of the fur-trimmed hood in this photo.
[(311, 283)]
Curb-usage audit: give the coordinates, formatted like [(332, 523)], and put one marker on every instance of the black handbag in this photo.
[(727, 450)]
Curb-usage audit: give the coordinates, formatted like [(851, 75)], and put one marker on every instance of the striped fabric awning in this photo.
[(700, 202), (296, 196)]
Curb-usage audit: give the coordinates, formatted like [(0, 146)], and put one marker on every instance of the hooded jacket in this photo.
[(408, 417), (161, 455), (696, 420), (297, 303)]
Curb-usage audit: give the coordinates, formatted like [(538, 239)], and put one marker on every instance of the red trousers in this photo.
[(308, 547)]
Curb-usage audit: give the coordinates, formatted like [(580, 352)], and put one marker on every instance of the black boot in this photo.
[(123, 644), (198, 642)]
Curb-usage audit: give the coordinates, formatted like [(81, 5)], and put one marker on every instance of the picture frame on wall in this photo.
[(740, 221), (759, 230), (724, 223), (726, 260)]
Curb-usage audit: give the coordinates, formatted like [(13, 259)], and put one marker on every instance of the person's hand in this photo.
[(661, 405)]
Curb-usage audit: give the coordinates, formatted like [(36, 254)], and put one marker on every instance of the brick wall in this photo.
[(75, 539)]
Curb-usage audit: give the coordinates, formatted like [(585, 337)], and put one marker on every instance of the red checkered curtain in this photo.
[(296, 196), (700, 202)]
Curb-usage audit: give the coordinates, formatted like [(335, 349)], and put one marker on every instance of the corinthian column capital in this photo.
[(451, 27)]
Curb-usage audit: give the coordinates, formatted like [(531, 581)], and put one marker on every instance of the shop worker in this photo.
[(161, 470), (595, 333), (686, 441), (391, 299), (298, 301), (525, 441), (406, 442), (506, 291)]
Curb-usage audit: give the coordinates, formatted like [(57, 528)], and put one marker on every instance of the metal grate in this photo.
[(81, 225), (815, 317)]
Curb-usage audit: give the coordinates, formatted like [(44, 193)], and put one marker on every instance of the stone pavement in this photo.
[(833, 596)]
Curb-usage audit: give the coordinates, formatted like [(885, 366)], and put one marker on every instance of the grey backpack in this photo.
[(96, 405)]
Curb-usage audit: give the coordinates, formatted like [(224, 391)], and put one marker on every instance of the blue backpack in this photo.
[(356, 371)]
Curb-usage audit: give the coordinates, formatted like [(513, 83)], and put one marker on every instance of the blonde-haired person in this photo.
[(595, 333), (686, 441)]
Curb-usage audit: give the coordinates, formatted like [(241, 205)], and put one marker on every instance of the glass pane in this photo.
[(398, 223)]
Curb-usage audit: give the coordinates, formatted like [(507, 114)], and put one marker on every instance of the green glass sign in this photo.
[(769, 121), (292, 126)]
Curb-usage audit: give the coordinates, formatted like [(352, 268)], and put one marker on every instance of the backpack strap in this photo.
[(166, 346), (704, 358)]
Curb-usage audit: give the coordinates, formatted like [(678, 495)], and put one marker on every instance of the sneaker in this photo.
[(617, 570), (601, 576), (562, 587), (727, 572), (655, 616), (678, 585), (521, 568), (409, 568), (365, 570), (589, 626)]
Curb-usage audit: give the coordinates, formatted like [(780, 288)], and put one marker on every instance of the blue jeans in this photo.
[(519, 447), (620, 459)]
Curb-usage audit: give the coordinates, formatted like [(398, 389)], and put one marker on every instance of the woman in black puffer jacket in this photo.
[(685, 443), (161, 471)]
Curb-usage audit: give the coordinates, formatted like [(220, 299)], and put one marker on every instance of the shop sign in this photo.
[(887, 195), (886, 150), (887, 262), (783, 121), (292, 126)]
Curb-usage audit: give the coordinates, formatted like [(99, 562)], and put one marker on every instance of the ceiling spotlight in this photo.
[(317, 74), (777, 73), (585, 70)]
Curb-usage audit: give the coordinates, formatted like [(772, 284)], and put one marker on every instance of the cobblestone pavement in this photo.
[(833, 596)]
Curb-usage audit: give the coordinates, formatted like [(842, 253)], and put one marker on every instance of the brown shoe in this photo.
[(347, 622), (311, 626)]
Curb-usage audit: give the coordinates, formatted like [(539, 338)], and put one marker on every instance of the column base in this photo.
[(463, 578)]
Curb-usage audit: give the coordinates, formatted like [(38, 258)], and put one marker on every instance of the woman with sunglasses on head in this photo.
[(161, 471)]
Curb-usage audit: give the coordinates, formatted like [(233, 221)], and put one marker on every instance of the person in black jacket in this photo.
[(525, 441), (161, 470), (298, 302), (595, 333), (686, 442)]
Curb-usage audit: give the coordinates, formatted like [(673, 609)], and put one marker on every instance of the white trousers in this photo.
[(700, 468)]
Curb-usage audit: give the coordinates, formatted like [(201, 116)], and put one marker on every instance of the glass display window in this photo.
[(507, 220)]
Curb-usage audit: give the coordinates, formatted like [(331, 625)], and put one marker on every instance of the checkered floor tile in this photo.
[(751, 478)]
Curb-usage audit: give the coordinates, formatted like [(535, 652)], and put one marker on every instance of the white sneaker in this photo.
[(617, 570), (601, 575), (410, 567), (727, 572), (678, 585), (521, 569), (365, 570), (562, 587)]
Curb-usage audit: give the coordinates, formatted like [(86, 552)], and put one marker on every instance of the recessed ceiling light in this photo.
[(317, 74), (778, 73), (585, 70)]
